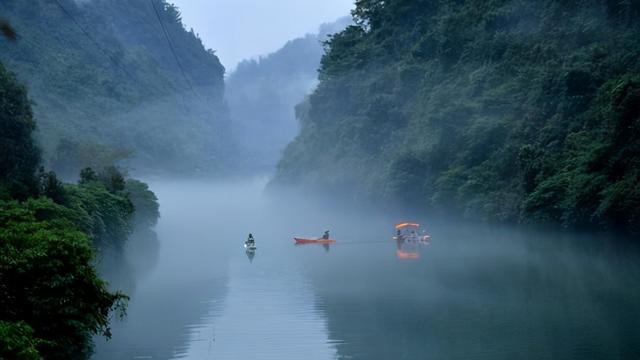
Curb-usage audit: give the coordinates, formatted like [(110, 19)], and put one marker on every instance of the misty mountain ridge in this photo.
[(107, 87), (262, 94), (509, 111)]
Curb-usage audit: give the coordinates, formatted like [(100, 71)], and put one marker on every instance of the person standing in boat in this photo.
[(325, 236)]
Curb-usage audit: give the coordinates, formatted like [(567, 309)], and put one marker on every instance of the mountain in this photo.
[(508, 110), (107, 87), (263, 93)]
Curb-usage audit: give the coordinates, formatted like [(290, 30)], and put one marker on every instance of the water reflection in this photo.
[(269, 312), (326, 247), (486, 294), (475, 292), (175, 280), (250, 255)]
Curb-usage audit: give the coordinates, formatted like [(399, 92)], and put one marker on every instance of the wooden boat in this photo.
[(313, 241)]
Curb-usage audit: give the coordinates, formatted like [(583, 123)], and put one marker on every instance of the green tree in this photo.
[(499, 110), (47, 280), (145, 203), (113, 179), (105, 216), (17, 342), (19, 156), (87, 175), (51, 187)]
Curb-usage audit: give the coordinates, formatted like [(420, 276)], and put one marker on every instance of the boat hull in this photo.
[(421, 238), (313, 241)]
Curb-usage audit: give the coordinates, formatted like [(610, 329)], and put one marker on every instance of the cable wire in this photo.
[(173, 51), (93, 41)]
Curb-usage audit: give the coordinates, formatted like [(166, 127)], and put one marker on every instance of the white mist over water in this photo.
[(475, 292)]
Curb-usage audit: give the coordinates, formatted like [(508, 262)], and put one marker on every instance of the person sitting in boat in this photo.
[(251, 240), (325, 236)]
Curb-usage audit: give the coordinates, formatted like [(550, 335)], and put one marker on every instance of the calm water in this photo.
[(473, 293)]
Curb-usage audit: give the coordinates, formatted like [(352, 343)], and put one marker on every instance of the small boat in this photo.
[(250, 245), (408, 232), (313, 241)]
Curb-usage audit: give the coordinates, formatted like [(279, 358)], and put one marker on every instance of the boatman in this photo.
[(326, 235), (251, 240)]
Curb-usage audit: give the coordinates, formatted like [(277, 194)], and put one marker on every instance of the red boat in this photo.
[(313, 241)]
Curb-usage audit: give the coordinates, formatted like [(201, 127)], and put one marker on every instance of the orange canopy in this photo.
[(407, 224)]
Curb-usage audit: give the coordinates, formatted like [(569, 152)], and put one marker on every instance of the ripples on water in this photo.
[(474, 293), (262, 317)]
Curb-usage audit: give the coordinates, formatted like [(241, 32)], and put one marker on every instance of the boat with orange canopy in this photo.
[(409, 238), (410, 231)]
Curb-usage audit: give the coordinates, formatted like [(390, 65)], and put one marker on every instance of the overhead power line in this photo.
[(173, 51), (93, 41)]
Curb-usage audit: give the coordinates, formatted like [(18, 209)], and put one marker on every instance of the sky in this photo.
[(242, 29)]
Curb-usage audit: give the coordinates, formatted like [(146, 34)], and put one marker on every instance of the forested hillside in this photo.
[(506, 110), (51, 298), (106, 85), (262, 95)]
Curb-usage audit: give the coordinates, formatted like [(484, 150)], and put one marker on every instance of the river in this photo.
[(473, 292)]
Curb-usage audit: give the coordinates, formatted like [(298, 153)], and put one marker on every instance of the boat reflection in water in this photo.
[(409, 240), (250, 254), (325, 241)]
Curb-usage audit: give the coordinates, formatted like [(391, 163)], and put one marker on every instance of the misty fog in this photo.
[(263, 94), (494, 290), (320, 179)]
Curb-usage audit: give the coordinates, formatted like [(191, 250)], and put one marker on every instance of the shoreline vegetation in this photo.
[(108, 88), (52, 300), (507, 111)]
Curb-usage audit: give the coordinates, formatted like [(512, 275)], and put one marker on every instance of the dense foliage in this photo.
[(17, 342), (106, 86), (145, 203), (51, 299), (47, 281), (509, 110), (105, 215), (19, 156)]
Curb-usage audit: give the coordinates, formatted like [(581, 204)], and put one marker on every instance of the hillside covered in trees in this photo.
[(52, 300), (506, 110), (262, 95), (107, 87)]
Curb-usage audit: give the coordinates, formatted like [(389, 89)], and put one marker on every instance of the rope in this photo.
[(364, 242)]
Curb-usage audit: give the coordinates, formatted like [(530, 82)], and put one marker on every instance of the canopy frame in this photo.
[(407, 224)]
